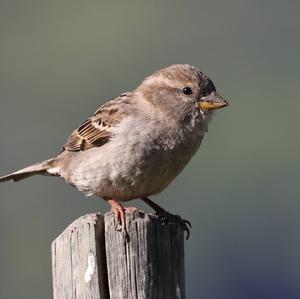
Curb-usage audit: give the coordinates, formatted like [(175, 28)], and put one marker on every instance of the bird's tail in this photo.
[(38, 168)]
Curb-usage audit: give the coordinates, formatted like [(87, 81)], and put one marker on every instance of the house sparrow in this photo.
[(137, 143)]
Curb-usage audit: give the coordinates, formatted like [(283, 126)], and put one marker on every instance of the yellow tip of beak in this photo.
[(212, 101), (205, 105)]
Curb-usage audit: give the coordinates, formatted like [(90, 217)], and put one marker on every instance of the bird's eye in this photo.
[(187, 91)]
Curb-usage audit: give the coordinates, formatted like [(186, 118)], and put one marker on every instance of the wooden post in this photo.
[(78, 260), (93, 259)]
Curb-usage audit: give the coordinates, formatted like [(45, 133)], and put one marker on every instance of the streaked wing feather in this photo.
[(96, 130)]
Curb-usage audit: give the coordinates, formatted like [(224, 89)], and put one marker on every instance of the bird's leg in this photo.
[(119, 212), (165, 216), (158, 209)]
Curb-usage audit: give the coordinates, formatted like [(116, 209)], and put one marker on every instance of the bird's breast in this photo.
[(140, 159)]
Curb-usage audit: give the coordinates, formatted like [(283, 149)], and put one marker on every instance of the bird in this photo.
[(137, 143)]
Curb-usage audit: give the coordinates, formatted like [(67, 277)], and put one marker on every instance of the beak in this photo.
[(213, 101)]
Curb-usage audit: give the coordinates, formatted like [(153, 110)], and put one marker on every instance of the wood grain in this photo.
[(75, 276), (93, 259)]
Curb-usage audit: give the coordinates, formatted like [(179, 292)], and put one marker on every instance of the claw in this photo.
[(131, 210), (185, 224), (188, 223), (168, 218)]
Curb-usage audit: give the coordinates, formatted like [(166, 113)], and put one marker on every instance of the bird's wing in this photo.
[(96, 130)]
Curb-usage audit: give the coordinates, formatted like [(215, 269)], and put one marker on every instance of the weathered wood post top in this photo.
[(93, 259)]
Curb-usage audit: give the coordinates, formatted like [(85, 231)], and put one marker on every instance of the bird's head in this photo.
[(181, 86)]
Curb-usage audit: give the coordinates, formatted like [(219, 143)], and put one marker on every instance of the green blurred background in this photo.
[(60, 60)]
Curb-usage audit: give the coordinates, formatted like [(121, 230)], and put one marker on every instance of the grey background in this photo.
[(60, 60)]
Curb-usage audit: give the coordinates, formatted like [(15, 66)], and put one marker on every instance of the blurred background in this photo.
[(60, 60)]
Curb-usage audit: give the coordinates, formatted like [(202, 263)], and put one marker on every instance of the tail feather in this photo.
[(38, 168)]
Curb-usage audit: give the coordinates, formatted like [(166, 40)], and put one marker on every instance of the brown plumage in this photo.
[(136, 144), (96, 130)]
